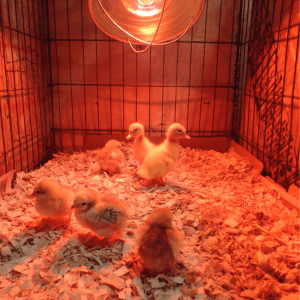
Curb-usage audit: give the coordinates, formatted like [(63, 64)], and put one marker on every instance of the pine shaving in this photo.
[(240, 241)]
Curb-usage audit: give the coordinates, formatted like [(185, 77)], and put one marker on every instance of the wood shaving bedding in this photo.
[(240, 241)]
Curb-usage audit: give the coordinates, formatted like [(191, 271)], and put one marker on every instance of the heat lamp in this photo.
[(148, 22)]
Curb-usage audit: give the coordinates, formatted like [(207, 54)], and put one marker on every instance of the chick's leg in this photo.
[(153, 182), (70, 217), (68, 221), (159, 181), (176, 271)]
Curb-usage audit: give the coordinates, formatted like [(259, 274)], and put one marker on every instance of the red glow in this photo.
[(148, 31), (145, 8)]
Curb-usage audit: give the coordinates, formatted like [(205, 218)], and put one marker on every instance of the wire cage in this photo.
[(234, 74)]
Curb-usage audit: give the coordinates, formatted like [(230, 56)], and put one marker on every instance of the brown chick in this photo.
[(159, 242), (110, 157), (53, 199), (141, 145), (162, 159), (103, 215)]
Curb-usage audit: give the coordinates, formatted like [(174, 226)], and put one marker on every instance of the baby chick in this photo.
[(159, 242), (101, 214), (53, 199), (141, 146), (110, 157), (113, 144), (162, 159)]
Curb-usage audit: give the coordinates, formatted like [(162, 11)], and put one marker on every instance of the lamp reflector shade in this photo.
[(122, 19)]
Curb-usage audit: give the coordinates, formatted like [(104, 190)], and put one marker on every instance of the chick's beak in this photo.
[(129, 136), (32, 196), (187, 137), (74, 205)]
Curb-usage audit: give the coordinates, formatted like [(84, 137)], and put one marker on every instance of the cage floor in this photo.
[(240, 241)]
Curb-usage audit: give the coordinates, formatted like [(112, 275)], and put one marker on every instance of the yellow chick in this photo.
[(141, 145), (110, 157), (53, 199), (101, 214), (162, 159), (159, 242)]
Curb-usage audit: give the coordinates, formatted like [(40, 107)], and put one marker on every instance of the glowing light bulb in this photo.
[(145, 8)]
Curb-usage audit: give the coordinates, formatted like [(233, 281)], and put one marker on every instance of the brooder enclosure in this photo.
[(232, 81)]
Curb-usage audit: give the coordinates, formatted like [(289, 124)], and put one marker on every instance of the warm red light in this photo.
[(148, 31), (145, 8)]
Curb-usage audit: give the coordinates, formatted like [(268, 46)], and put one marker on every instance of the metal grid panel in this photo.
[(100, 86), (233, 73), (25, 106), (269, 126)]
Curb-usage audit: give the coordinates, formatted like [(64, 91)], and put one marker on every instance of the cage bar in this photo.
[(216, 80)]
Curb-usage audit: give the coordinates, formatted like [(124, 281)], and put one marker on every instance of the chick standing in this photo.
[(159, 242), (162, 159), (103, 215), (141, 145), (110, 157), (53, 199)]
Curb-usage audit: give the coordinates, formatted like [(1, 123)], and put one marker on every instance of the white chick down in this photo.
[(141, 145), (102, 214), (162, 159), (159, 242), (110, 157), (53, 199)]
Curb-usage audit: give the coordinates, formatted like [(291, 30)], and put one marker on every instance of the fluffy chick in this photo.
[(110, 157), (53, 199), (113, 144), (141, 145), (159, 242), (162, 159), (103, 215)]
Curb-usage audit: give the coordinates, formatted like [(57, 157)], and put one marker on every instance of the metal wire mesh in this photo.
[(63, 78), (269, 126), (182, 81), (24, 92)]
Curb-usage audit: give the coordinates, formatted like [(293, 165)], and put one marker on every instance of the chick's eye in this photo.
[(37, 192), (135, 129), (179, 130), (83, 204)]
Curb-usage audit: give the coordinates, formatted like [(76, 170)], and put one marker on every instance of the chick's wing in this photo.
[(155, 243), (109, 210), (175, 238)]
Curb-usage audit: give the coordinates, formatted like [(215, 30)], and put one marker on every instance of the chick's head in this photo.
[(177, 131), (135, 130), (84, 199), (161, 217), (45, 188), (113, 144)]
